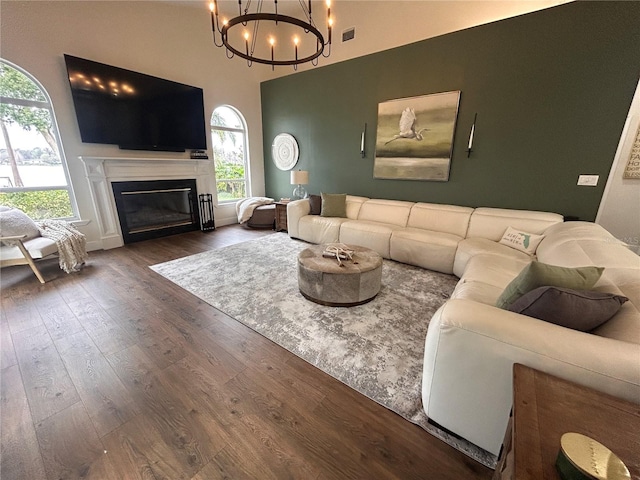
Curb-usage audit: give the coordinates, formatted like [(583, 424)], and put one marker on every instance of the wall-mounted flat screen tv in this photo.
[(133, 110)]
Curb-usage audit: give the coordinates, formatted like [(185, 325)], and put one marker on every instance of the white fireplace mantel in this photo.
[(101, 171)]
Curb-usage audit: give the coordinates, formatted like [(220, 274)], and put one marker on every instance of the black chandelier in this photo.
[(299, 52)]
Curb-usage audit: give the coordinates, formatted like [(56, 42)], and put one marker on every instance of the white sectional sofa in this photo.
[(471, 344)]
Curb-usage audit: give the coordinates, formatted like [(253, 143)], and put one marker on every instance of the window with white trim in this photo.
[(33, 170), (230, 154)]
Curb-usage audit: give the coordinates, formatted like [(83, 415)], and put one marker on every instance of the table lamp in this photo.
[(299, 178)]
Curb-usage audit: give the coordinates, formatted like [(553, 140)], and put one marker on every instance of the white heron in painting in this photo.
[(408, 126)]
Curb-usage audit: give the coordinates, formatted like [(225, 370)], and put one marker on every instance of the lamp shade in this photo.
[(299, 177)]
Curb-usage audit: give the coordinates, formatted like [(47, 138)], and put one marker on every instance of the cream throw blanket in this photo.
[(246, 206), (72, 245)]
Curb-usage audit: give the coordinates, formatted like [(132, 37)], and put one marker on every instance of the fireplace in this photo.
[(152, 209)]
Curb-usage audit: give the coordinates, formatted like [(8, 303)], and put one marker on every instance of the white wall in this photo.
[(619, 210), (160, 39)]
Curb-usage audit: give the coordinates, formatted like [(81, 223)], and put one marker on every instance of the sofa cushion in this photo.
[(392, 212), (38, 247), (496, 270), (334, 205), (627, 280), (491, 223), (486, 277), (579, 231), (579, 252), (538, 274), (625, 325), (318, 229), (581, 310), (520, 240), (471, 247), (424, 248), (14, 222), (477, 291), (354, 203), (373, 235), (450, 219), (575, 244)]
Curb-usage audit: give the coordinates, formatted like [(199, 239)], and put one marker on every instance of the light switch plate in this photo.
[(588, 180)]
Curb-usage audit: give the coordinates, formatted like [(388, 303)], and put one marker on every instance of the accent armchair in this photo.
[(21, 242)]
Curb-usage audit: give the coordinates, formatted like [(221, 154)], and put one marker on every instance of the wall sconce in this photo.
[(299, 178), (362, 138), (473, 129)]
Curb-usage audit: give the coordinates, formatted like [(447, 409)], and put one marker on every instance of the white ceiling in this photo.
[(381, 25)]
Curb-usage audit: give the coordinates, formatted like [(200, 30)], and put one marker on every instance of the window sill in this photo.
[(80, 222), (228, 202)]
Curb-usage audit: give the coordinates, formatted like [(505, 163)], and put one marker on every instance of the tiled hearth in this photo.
[(101, 171)]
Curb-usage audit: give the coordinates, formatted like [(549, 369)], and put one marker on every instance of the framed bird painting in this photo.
[(414, 138)]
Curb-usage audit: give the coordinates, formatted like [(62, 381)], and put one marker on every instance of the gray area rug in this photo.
[(376, 348)]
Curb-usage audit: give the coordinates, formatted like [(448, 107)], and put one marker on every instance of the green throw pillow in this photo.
[(334, 205), (538, 274)]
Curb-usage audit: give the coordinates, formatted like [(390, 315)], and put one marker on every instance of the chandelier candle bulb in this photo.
[(272, 41), (329, 20), (213, 21)]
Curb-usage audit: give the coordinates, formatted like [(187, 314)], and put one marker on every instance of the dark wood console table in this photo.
[(545, 407), (281, 217)]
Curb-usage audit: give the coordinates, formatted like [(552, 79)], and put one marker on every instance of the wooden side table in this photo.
[(545, 407), (281, 216)]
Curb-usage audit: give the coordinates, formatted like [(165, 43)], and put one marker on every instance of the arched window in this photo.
[(230, 154), (33, 170)]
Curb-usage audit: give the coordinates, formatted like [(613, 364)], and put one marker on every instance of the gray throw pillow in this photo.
[(315, 202), (581, 310), (15, 222), (334, 205)]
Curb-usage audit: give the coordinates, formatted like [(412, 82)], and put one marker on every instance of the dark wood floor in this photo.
[(115, 373)]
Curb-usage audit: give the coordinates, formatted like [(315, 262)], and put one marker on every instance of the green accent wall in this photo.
[(552, 90)]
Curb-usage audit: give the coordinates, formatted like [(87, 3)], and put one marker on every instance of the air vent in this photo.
[(349, 34)]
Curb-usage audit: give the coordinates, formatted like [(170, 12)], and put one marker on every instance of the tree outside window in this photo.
[(229, 142), (33, 174)]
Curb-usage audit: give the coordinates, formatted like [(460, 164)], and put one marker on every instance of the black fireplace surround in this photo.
[(156, 208)]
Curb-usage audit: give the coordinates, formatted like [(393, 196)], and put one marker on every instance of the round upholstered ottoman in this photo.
[(324, 281), (263, 216)]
